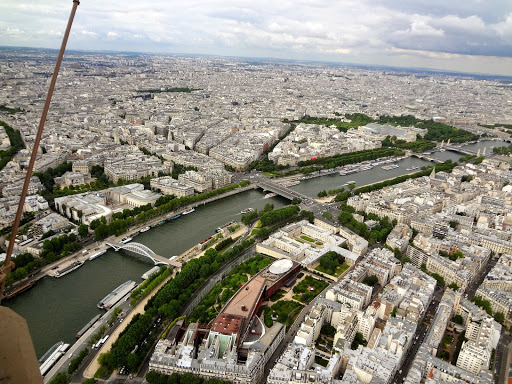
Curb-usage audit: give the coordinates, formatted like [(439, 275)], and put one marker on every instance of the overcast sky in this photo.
[(460, 35)]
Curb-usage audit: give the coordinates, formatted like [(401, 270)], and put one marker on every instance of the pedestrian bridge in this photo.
[(142, 250)]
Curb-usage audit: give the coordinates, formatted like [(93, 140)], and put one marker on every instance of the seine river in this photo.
[(55, 309)]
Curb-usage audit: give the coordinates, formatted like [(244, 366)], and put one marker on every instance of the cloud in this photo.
[(305, 29), (504, 29), (88, 33)]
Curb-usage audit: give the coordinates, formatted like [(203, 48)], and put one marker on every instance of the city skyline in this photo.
[(461, 36)]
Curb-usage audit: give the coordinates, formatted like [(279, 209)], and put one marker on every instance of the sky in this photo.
[(455, 35)]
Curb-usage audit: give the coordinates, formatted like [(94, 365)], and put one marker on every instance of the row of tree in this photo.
[(139, 215), (167, 302), (420, 145), (186, 378), (447, 166), (278, 215), (211, 304), (60, 246), (486, 305), (376, 234), (351, 157), (48, 176), (16, 144), (356, 120), (149, 284), (435, 131), (181, 202), (503, 150), (53, 250)]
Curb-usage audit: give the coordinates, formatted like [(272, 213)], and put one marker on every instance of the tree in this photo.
[(499, 317), (296, 201), (83, 230), (439, 278), (457, 319), (453, 224), (60, 378), (308, 215), (482, 303), (456, 255), (328, 330), (101, 232), (268, 207), (358, 340), (453, 286), (95, 224), (371, 280)]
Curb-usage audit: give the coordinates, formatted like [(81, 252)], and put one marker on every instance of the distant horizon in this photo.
[(370, 66), (456, 36)]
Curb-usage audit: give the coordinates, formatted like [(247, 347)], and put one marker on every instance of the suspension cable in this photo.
[(8, 264)]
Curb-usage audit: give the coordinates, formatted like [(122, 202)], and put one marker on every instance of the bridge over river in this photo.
[(270, 186), (142, 250)]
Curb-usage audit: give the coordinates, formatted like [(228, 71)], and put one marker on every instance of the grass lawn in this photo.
[(278, 295), (308, 289), (213, 302), (321, 361), (339, 270), (308, 239), (287, 311)]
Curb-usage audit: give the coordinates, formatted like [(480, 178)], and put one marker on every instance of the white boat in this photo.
[(70, 268), (350, 182), (126, 240), (247, 210), (188, 211), (389, 167), (145, 229), (412, 168), (52, 356), (290, 183), (98, 254), (268, 195)]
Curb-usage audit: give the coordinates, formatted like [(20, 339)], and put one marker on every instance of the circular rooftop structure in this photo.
[(281, 266)]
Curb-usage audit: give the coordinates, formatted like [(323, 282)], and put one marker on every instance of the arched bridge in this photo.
[(141, 249)]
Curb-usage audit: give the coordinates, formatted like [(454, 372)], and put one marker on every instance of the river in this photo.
[(57, 308), (311, 187)]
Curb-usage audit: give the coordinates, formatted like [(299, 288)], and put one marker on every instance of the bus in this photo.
[(102, 341)]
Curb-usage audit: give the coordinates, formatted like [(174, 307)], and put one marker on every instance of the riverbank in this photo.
[(139, 309), (84, 254)]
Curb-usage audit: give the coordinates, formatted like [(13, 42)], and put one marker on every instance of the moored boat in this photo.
[(70, 268), (97, 254), (126, 240)]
